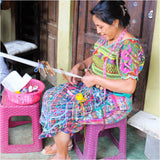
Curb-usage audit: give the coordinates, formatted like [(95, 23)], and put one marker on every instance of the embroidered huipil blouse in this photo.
[(61, 112)]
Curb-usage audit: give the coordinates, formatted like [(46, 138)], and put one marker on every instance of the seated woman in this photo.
[(105, 91)]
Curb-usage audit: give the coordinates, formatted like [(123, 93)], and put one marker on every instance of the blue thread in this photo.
[(40, 65)]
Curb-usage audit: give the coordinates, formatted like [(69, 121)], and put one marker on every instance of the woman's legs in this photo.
[(61, 140), (52, 149)]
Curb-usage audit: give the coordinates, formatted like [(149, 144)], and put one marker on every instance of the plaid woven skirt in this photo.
[(63, 111)]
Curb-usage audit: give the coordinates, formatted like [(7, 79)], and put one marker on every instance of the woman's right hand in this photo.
[(78, 70)]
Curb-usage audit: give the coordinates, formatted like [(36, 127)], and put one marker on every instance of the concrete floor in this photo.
[(23, 135)]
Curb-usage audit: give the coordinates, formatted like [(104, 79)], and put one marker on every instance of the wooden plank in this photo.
[(147, 123)]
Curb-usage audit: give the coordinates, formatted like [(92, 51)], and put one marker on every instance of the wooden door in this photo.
[(141, 26), (48, 33)]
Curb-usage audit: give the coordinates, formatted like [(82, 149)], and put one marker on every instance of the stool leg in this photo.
[(122, 141), (36, 132), (4, 134), (91, 141)]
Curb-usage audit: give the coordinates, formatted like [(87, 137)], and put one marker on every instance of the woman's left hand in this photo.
[(89, 80)]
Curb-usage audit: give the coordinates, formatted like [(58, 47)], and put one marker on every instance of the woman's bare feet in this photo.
[(62, 140), (52, 149), (58, 157)]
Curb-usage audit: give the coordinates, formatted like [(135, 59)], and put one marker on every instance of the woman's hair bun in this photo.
[(119, 2)]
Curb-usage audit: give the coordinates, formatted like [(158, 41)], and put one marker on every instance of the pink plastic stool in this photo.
[(8, 110), (92, 133)]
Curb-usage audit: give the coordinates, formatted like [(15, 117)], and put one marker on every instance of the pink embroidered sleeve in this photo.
[(131, 60)]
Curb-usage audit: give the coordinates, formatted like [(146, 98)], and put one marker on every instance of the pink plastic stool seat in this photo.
[(8, 110), (92, 133)]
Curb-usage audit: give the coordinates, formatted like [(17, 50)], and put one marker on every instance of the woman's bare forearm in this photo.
[(118, 85)]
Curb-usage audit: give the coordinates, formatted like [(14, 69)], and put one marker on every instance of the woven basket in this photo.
[(27, 98)]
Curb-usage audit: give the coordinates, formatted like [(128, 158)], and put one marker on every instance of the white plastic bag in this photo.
[(14, 82)]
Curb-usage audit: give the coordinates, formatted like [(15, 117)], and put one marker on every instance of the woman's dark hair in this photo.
[(108, 11)]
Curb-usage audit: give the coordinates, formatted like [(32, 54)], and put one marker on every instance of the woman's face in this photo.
[(105, 30)]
